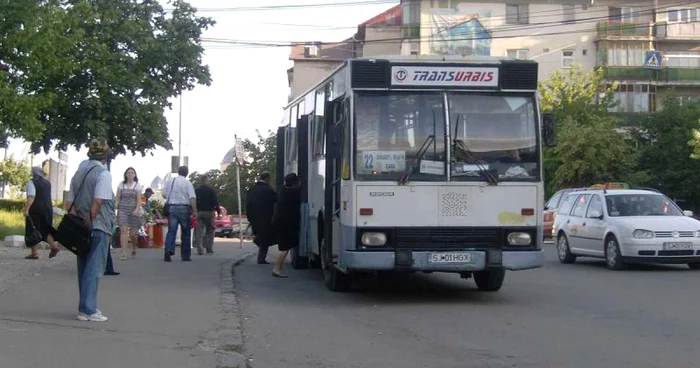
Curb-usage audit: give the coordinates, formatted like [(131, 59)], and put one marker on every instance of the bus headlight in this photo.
[(519, 239), (373, 239)]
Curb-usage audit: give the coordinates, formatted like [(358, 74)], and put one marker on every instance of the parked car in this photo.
[(223, 226), (550, 211), (626, 226)]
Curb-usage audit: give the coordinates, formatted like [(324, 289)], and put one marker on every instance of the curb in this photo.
[(230, 342)]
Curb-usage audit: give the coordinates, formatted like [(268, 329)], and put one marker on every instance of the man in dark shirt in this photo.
[(260, 209), (207, 204)]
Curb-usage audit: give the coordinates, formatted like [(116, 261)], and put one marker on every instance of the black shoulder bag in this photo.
[(166, 207), (72, 232), (32, 236)]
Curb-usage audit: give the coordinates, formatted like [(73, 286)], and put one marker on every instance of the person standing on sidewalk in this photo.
[(182, 202), (287, 220), (129, 211), (95, 204), (260, 210), (207, 204), (38, 212)]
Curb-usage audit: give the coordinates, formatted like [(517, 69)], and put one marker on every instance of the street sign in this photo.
[(652, 60), (239, 151)]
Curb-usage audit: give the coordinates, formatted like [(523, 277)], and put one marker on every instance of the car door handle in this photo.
[(568, 221), (584, 224)]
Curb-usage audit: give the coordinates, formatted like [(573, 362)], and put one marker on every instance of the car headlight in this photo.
[(519, 239), (643, 234), (373, 239)]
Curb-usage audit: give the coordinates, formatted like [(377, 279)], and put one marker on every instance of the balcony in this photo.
[(677, 31), (662, 76), (610, 30)]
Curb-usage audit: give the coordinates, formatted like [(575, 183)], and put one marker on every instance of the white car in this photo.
[(626, 226)]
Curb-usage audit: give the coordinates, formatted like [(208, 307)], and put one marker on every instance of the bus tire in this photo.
[(491, 280), (298, 262), (334, 279)]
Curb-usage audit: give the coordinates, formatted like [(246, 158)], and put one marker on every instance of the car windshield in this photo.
[(391, 128), (622, 205), (495, 133)]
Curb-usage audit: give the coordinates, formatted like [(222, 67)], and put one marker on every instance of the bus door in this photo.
[(336, 121)]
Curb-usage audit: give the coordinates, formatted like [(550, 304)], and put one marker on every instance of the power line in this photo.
[(295, 6), (428, 38)]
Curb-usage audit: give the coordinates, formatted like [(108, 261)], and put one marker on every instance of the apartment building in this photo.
[(613, 35)]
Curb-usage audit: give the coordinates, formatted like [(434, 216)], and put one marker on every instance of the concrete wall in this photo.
[(308, 73), (374, 44)]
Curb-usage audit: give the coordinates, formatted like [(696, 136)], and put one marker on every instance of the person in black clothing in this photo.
[(287, 220), (260, 209), (38, 211), (207, 204)]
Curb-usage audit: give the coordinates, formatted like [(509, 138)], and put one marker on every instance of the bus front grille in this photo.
[(448, 237)]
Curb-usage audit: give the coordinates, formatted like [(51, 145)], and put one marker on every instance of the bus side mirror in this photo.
[(549, 130)]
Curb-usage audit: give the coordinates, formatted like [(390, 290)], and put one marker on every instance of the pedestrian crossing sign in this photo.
[(652, 60)]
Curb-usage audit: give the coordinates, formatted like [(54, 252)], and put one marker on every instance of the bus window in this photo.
[(390, 129), (319, 131)]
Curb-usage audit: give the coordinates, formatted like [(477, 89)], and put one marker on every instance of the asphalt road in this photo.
[(580, 315)]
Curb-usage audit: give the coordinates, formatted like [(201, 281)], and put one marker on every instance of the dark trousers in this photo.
[(262, 253), (110, 265)]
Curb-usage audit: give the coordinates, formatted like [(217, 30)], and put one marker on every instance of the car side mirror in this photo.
[(549, 129), (688, 213)]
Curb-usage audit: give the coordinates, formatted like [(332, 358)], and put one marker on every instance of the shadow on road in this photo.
[(631, 267)]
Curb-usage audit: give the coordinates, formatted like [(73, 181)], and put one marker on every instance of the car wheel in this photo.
[(613, 257), (694, 266), (563, 250), (489, 280), (333, 278)]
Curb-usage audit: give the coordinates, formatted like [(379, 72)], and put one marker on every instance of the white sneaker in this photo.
[(96, 317)]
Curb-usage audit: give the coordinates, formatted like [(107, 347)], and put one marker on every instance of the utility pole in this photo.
[(239, 160), (179, 145)]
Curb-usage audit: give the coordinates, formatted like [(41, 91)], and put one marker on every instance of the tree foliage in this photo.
[(260, 156), (79, 69), (589, 149), (14, 172)]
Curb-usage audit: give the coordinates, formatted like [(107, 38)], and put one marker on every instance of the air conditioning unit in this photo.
[(410, 48), (311, 51)]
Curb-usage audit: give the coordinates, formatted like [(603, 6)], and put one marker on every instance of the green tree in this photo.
[(15, 172), (668, 147), (589, 149), (102, 68), (212, 176)]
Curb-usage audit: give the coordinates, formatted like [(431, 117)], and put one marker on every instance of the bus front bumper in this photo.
[(419, 260)]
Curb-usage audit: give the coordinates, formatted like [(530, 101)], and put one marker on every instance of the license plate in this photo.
[(450, 257), (678, 246)]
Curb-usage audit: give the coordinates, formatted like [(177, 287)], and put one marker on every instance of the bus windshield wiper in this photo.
[(416, 163), (458, 143)]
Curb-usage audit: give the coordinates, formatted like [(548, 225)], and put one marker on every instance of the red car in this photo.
[(550, 212)]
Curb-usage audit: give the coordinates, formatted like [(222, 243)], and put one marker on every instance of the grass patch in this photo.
[(11, 223)]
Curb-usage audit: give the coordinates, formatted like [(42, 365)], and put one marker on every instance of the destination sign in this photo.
[(444, 76)]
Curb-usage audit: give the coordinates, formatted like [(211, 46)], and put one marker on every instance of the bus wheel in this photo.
[(491, 280), (298, 262), (334, 279)]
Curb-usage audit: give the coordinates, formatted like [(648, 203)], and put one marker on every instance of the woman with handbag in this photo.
[(129, 211), (38, 213)]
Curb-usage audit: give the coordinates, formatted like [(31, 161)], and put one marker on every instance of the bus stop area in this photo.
[(160, 314)]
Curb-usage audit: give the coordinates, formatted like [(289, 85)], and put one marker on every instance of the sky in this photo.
[(249, 87)]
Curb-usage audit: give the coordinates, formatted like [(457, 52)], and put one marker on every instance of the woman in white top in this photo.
[(128, 211)]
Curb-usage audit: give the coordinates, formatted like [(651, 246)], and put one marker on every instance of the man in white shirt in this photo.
[(182, 207)]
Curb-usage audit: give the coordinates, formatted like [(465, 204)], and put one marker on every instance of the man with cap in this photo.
[(94, 203), (260, 209)]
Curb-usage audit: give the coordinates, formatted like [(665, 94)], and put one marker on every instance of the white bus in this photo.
[(421, 163)]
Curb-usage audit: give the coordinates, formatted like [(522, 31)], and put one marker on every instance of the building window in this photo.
[(568, 13), (682, 59), (683, 15), (517, 54), (567, 59), (687, 100), (626, 55), (625, 15), (635, 98), (517, 14)]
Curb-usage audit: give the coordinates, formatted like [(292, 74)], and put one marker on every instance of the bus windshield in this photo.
[(390, 129), (495, 133)]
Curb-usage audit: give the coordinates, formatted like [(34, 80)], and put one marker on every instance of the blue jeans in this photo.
[(179, 216), (90, 268)]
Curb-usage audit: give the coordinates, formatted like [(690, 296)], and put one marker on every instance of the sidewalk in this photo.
[(160, 314)]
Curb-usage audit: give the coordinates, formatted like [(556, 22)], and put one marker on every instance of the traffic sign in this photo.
[(652, 60)]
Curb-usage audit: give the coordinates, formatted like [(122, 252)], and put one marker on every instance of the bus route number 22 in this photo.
[(384, 161)]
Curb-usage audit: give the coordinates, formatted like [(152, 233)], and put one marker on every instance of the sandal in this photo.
[(32, 256), (133, 254), (123, 257), (54, 252)]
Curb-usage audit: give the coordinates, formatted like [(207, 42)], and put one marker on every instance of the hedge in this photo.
[(12, 204)]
